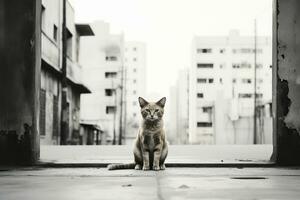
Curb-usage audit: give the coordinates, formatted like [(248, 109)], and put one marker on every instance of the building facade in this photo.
[(135, 86), (103, 59), (178, 121), (222, 79), (51, 73)]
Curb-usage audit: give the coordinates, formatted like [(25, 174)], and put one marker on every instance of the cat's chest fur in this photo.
[(151, 139)]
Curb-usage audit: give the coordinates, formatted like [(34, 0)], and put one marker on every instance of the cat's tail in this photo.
[(121, 166)]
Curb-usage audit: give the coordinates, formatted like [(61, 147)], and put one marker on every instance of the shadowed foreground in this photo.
[(174, 183)]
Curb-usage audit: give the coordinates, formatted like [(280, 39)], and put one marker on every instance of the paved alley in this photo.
[(174, 183)]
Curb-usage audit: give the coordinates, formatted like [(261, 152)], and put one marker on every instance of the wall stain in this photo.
[(288, 87), (15, 148)]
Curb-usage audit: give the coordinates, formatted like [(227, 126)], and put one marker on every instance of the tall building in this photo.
[(51, 72), (103, 72), (135, 86), (222, 75), (179, 107)]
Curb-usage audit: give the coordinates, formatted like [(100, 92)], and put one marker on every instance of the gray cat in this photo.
[(150, 146)]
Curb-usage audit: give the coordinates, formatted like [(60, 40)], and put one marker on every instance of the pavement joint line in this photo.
[(171, 165)]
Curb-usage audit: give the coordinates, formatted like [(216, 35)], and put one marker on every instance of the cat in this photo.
[(150, 147)]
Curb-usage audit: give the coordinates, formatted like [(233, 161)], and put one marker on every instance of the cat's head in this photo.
[(152, 111)]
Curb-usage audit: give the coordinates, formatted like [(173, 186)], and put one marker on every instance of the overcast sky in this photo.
[(168, 26)]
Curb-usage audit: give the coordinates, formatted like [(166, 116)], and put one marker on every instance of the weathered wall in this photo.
[(287, 65), (19, 81)]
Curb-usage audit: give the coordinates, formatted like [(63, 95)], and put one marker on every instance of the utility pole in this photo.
[(114, 121), (121, 99), (125, 103), (254, 115), (64, 103)]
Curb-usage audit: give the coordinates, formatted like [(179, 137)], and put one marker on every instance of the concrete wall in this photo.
[(20, 81), (286, 61)]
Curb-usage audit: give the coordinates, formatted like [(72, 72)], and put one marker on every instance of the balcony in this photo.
[(50, 52), (74, 71)]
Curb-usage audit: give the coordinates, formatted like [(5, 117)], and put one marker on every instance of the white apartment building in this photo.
[(135, 86), (221, 105), (103, 59)]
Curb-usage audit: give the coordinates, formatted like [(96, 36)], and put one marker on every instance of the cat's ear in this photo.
[(143, 102), (161, 102)]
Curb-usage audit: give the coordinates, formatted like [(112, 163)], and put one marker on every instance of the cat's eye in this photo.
[(147, 110), (156, 110)]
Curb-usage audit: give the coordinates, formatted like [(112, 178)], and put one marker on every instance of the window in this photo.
[(245, 65), (134, 80), (205, 65), (111, 58), (204, 124), (109, 92), (134, 59), (207, 109), (42, 112), (246, 50), (259, 95), (110, 74), (110, 109), (210, 80), (201, 80), (204, 50), (55, 32), (134, 114), (134, 49), (245, 95), (241, 65), (234, 80), (222, 50), (221, 80), (246, 80), (259, 66), (134, 69), (134, 91), (69, 43), (235, 65), (55, 123), (199, 95)]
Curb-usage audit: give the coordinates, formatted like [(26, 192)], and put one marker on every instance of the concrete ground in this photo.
[(221, 154), (173, 183)]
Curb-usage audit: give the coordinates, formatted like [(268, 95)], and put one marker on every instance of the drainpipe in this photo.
[(64, 103)]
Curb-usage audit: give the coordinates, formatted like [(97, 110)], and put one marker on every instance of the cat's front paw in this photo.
[(156, 167), (138, 167), (145, 168), (163, 167)]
